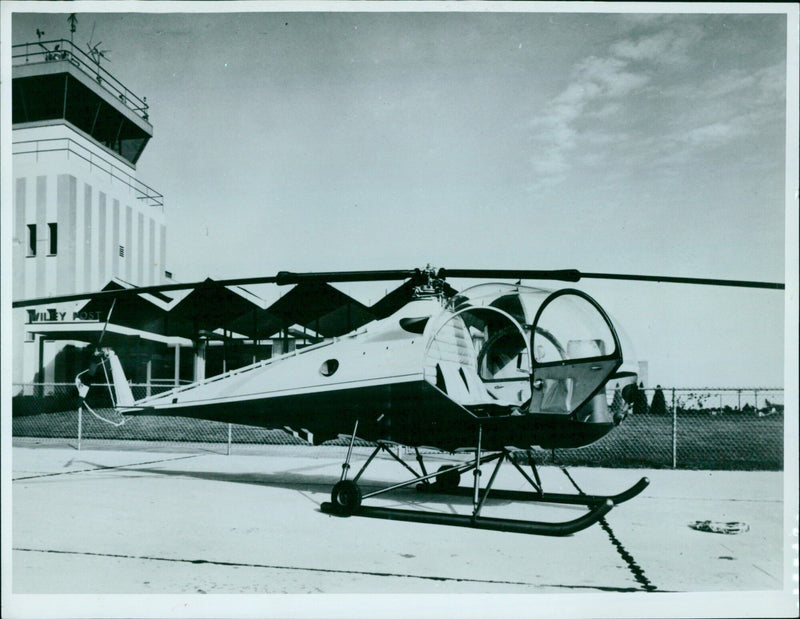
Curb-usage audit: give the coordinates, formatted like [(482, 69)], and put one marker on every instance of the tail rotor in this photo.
[(106, 359)]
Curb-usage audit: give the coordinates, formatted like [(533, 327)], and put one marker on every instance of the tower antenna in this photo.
[(73, 24)]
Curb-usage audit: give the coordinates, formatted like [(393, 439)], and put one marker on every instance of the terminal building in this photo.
[(83, 221)]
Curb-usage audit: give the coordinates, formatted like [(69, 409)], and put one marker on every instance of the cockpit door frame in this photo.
[(558, 370), (477, 310)]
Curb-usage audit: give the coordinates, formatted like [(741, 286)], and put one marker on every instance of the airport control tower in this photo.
[(81, 218)]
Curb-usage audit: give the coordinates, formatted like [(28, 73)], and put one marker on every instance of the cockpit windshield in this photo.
[(570, 328)]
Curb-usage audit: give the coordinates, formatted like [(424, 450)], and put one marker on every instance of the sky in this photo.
[(629, 143)]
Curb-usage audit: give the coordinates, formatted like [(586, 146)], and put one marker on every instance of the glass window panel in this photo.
[(53, 238), (37, 98), (31, 239)]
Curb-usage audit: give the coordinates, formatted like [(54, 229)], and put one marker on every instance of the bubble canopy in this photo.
[(523, 342), (566, 324)]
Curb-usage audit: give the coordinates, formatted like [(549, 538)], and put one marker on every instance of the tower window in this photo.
[(31, 239), (121, 251), (53, 238)]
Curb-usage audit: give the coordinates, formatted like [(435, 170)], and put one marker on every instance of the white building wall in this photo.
[(21, 243), (140, 225), (69, 187), (78, 232), (51, 217)]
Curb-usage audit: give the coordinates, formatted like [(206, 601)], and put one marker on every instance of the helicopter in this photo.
[(492, 370)]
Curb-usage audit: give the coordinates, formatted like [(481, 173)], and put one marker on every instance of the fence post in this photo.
[(229, 440), (674, 431), (80, 426)]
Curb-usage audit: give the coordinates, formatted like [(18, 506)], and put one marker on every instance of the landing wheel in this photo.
[(447, 479), (346, 497)]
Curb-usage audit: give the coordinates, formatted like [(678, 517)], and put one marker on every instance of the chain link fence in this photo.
[(716, 429), (705, 428)]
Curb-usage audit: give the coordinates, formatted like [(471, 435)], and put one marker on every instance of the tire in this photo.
[(346, 497), (447, 479)]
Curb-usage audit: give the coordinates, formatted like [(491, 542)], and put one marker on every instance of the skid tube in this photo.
[(508, 525), (550, 497), (346, 499)]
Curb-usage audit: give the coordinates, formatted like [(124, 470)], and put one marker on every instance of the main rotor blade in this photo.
[(573, 275), (565, 275), (282, 278), (125, 292), (703, 281), (285, 277)]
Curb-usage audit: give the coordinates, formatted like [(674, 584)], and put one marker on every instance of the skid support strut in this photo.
[(476, 486), (346, 497), (346, 465)]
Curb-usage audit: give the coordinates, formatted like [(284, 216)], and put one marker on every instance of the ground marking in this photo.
[(324, 570), (635, 569), (101, 467)]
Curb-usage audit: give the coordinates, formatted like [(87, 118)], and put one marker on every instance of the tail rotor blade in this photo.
[(108, 319)]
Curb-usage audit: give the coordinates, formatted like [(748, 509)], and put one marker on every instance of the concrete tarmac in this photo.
[(173, 521)]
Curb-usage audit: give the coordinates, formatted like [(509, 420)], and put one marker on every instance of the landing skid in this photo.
[(548, 497), (346, 497), (507, 525)]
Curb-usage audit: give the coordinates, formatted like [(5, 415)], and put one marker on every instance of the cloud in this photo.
[(607, 77), (716, 133), (665, 47), (771, 84), (597, 85), (656, 96), (731, 106), (645, 48)]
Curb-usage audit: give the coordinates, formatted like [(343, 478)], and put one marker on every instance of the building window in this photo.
[(31, 239), (53, 239), (168, 274), (121, 251)]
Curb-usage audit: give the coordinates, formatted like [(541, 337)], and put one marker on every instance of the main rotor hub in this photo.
[(428, 283)]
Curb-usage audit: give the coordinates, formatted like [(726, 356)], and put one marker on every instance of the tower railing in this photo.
[(62, 50), (147, 195)]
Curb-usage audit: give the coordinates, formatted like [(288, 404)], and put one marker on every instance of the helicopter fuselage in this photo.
[(525, 366)]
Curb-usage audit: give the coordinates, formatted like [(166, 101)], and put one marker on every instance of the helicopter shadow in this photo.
[(292, 479)]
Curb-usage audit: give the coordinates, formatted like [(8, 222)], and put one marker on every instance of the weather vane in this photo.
[(96, 53)]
